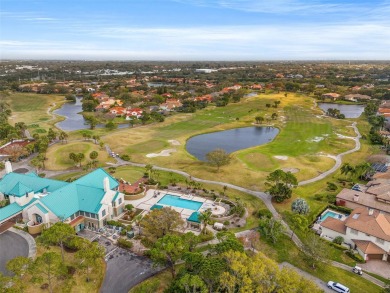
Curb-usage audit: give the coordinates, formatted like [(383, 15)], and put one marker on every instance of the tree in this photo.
[(218, 158), (259, 119), (51, 135), (300, 206), (168, 250), (160, 222), (210, 272), (205, 218), (271, 228), (89, 255), (191, 239), (47, 268), (338, 240), (192, 284), (63, 136), (315, 249), (80, 157), (228, 241), (280, 184), (346, 169), (93, 156), (274, 116), (111, 125), (58, 234), (19, 266)]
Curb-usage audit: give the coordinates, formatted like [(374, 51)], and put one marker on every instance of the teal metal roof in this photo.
[(20, 189), (34, 183), (194, 217), (9, 211), (43, 210), (95, 179), (64, 199), (156, 206)]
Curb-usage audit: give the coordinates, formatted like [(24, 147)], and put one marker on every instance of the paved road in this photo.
[(11, 246), (308, 276)]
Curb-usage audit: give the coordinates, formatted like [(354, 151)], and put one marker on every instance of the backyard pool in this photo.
[(175, 201), (333, 214)]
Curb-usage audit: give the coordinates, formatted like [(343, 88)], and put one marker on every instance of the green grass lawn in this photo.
[(32, 108)]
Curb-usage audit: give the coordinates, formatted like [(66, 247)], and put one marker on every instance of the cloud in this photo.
[(358, 40), (277, 6)]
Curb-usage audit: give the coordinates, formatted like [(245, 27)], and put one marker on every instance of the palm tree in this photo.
[(346, 169), (362, 169), (205, 218)]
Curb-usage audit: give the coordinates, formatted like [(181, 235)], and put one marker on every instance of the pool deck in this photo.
[(153, 196)]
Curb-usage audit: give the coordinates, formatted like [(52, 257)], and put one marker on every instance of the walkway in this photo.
[(337, 158)]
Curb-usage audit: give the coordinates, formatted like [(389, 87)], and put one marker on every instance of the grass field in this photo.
[(58, 155), (32, 108)]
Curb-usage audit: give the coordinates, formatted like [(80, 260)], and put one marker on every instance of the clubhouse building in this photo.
[(40, 202)]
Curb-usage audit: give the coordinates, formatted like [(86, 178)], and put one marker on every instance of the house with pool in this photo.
[(40, 202), (189, 206), (366, 230)]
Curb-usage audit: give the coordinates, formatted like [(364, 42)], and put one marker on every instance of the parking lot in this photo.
[(124, 269)]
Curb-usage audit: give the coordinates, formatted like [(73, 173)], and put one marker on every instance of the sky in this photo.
[(179, 30)]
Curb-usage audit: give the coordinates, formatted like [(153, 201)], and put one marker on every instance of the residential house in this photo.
[(332, 96), (88, 201), (118, 111), (357, 97), (171, 104), (374, 195), (366, 230), (134, 113)]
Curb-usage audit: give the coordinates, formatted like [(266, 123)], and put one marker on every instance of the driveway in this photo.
[(379, 267), (11, 246), (125, 270)]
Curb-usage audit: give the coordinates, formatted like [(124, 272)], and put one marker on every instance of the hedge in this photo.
[(340, 208), (355, 256), (124, 243)]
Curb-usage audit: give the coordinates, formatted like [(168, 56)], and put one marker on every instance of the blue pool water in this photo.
[(175, 201), (329, 214)]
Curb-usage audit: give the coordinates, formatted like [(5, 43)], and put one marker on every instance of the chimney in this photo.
[(370, 212), (106, 184), (356, 197), (8, 167)]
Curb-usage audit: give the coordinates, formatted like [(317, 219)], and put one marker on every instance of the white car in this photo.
[(338, 287)]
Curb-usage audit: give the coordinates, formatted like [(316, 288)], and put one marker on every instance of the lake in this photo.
[(230, 140), (73, 119), (350, 111)]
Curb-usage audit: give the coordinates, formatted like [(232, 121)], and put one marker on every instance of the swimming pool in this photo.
[(332, 214), (175, 201)]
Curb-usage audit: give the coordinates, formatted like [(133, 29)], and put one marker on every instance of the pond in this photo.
[(230, 140), (350, 111), (73, 118)]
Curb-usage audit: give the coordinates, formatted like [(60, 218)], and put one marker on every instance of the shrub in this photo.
[(115, 223), (129, 207), (355, 256), (42, 175), (203, 237), (318, 197), (331, 186), (264, 213), (125, 157), (71, 270), (340, 209), (226, 223), (338, 240), (125, 243), (300, 206), (331, 198)]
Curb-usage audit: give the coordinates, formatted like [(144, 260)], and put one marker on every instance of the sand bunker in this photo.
[(284, 158), (163, 153), (174, 142), (292, 170)]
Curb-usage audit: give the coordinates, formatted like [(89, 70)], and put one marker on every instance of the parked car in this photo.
[(357, 270), (338, 287)]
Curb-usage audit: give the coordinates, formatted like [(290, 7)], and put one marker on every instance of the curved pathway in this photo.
[(338, 158)]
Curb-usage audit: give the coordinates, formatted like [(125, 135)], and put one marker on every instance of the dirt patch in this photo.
[(163, 153), (292, 170), (284, 158)]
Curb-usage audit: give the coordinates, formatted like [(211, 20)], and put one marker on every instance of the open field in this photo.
[(32, 108)]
